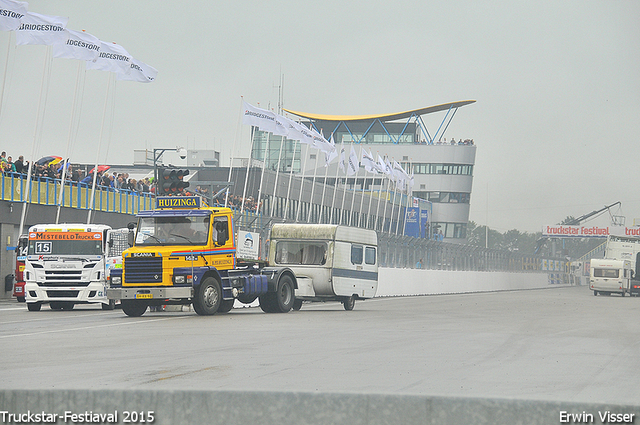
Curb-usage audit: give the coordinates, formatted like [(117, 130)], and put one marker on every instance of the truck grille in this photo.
[(63, 277), (143, 270), (62, 294)]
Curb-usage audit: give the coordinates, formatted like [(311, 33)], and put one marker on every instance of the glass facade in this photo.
[(444, 197), (269, 146), (426, 168)]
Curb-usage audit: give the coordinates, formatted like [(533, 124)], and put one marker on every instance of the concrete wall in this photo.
[(394, 282), (230, 408)]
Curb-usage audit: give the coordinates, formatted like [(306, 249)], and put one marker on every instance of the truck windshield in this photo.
[(173, 230), (65, 247), (611, 273), (301, 252)]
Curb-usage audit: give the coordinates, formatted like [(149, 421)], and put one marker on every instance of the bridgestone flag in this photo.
[(41, 29), (10, 14), (112, 58), (257, 117), (80, 45), (140, 72), (368, 162), (354, 164)]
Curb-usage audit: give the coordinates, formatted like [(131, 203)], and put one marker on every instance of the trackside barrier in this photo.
[(403, 282), (45, 191), (281, 408)]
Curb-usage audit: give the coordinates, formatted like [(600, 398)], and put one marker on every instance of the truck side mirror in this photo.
[(130, 237), (223, 236)]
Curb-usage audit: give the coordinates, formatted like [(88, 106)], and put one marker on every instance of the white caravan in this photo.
[(68, 264), (610, 276), (331, 262)]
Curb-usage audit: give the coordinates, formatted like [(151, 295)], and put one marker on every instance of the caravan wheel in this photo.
[(349, 303)]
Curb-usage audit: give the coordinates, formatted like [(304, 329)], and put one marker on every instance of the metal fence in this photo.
[(405, 251), (46, 191)]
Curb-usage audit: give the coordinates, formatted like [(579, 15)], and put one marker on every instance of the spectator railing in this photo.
[(46, 191)]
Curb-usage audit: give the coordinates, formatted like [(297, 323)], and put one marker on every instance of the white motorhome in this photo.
[(68, 264), (331, 262), (610, 276), (625, 248)]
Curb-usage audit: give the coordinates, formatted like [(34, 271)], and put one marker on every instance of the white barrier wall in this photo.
[(394, 282)]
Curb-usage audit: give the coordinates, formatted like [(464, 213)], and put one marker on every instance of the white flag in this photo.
[(80, 45), (342, 162), (113, 58), (257, 117), (140, 72), (41, 29), (368, 162), (281, 126), (354, 164), (332, 154), (11, 12), (302, 133)]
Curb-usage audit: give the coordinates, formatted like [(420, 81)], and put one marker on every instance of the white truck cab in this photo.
[(68, 264), (610, 276), (331, 262)]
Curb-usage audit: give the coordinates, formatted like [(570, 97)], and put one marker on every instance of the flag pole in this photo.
[(313, 186), (264, 165), (335, 186), (65, 163), (293, 157), (275, 184), (324, 186), (95, 169), (44, 88), (246, 177), (304, 166)]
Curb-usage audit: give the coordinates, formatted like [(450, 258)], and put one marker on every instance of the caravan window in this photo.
[(296, 252), (610, 273), (369, 255), (356, 254)]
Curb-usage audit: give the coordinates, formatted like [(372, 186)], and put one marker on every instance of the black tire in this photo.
[(67, 306), (267, 303), (297, 304), (133, 308), (623, 293), (21, 299), (208, 297), (110, 306), (55, 305), (34, 306), (285, 295), (226, 306), (349, 303), (595, 293)]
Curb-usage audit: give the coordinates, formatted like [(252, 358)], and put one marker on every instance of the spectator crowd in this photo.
[(42, 170)]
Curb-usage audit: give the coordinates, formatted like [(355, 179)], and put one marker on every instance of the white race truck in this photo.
[(330, 262), (610, 276), (68, 264)]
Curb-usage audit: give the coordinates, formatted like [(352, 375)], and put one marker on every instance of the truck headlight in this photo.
[(116, 280), (179, 279)]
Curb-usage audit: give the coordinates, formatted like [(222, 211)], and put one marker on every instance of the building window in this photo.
[(425, 168), (443, 197)]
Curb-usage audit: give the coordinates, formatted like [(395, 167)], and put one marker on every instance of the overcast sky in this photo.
[(556, 83)]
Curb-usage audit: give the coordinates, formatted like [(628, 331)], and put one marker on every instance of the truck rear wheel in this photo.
[(226, 306), (297, 304), (285, 295), (282, 300), (208, 297), (133, 308)]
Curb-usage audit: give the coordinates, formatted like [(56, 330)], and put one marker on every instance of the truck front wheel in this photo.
[(349, 303), (208, 297), (34, 306), (133, 308)]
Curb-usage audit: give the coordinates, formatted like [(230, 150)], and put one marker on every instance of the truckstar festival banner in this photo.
[(565, 231)]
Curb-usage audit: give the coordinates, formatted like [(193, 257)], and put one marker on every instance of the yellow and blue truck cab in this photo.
[(184, 252)]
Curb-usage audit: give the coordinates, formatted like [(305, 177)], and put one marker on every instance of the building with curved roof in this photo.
[(443, 170)]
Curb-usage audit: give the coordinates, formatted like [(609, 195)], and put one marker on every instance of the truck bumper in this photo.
[(93, 293), (149, 293)]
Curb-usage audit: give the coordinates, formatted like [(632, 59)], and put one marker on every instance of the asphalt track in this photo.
[(558, 344)]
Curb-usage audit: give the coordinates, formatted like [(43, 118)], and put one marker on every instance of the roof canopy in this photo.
[(383, 117)]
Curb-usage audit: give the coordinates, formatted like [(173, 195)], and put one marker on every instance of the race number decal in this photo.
[(43, 248)]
